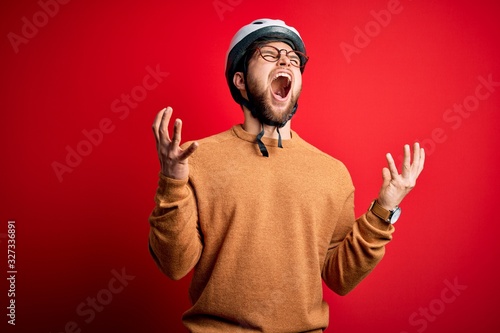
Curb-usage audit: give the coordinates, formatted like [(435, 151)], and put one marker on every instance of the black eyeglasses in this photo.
[(273, 54)]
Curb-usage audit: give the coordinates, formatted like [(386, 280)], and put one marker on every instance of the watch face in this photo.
[(395, 215)]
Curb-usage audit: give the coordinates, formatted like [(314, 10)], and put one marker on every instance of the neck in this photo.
[(252, 125)]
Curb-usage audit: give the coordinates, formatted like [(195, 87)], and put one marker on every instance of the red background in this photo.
[(74, 231)]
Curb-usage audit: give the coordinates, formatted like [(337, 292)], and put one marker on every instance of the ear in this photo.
[(239, 81)]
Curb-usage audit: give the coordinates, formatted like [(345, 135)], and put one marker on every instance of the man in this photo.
[(262, 216)]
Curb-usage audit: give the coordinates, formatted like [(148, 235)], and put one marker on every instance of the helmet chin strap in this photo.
[(250, 106)]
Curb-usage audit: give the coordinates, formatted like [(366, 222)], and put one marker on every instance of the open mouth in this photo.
[(281, 85)]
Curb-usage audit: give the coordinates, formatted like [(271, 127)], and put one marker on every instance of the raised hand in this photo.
[(173, 159), (396, 186)]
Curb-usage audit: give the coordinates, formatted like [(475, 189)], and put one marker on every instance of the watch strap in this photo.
[(380, 211)]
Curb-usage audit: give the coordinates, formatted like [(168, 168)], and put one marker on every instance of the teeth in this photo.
[(288, 76)]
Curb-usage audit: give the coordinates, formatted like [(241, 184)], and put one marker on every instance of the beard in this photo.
[(263, 107)]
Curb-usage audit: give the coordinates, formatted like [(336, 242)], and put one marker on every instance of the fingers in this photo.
[(421, 162), (163, 126), (412, 164), (396, 186), (406, 161), (189, 150), (415, 165), (418, 159), (392, 166), (416, 154), (156, 124), (386, 177), (160, 124), (176, 139), (161, 133)]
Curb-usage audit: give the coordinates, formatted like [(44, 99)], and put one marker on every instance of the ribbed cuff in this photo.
[(171, 190), (377, 227)]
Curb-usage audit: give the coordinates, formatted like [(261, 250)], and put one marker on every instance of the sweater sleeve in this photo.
[(355, 249), (175, 241)]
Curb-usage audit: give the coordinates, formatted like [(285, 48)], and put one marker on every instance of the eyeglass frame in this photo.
[(301, 55)]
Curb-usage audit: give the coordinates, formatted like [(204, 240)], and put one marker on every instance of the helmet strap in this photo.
[(250, 106), (262, 146)]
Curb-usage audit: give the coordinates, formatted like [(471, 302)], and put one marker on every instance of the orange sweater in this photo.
[(261, 234)]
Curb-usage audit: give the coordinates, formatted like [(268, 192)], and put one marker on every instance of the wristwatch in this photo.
[(389, 216)]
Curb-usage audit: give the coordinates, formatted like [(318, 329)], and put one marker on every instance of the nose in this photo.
[(284, 60)]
